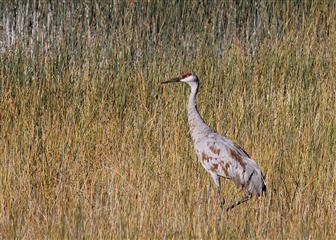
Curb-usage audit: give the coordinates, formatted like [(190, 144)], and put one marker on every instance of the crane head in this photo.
[(186, 77)]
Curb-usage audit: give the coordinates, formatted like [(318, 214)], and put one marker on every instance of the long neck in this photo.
[(197, 125)]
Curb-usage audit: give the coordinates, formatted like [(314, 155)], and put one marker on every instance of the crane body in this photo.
[(220, 157)]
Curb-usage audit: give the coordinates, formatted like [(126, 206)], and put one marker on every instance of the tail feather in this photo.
[(256, 184)]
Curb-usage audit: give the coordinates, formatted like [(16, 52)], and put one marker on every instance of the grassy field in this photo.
[(92, 146)]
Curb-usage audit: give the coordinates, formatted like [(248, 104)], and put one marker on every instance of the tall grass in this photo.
[(91, 145)]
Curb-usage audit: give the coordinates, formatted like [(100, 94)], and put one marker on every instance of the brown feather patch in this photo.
[(214, 150), (237, 157), (205, 157), (225, 168), (214, 167)]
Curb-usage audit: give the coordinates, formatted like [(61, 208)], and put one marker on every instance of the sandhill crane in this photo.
[(219, 155)]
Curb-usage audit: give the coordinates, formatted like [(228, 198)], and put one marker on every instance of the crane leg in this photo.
[(247, 197), (216, 180), (221, 199)]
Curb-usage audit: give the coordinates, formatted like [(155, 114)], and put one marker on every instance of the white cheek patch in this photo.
[(188, 79)]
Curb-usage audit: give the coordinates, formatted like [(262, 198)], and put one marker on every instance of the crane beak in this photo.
[(177, 79)]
